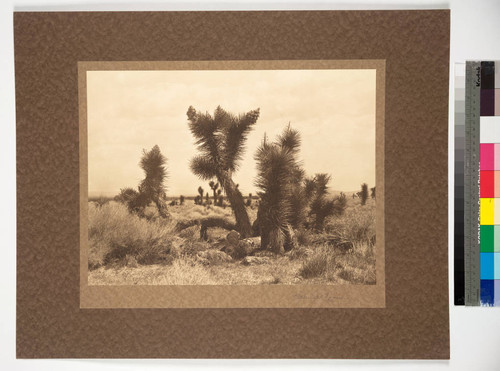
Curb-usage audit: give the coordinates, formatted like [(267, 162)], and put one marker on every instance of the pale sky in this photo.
[(128, 111)]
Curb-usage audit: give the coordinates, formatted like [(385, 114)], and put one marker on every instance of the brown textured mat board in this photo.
[(410, 49)]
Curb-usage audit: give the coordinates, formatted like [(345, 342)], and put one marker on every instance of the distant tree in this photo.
[(197, 200), (372, 192), (220, 139), (181, 200), (207, 199), (201, 192), (249, 200), (214, 187), (364, 193), (276, 163)]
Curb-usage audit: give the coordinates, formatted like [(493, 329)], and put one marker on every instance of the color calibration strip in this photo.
[(472, 258), (490, 184), (477, 184), (459, 273)]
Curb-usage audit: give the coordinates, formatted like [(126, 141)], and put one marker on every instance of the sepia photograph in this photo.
[(231, 177)]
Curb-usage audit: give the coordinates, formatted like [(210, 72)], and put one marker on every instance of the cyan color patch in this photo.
[(487, 266)]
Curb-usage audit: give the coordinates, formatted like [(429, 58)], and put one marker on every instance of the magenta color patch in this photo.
[(497, 156), (488, 156)]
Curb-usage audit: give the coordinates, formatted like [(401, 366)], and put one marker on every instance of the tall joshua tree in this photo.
[(364, 193), (214, 187), (220, 140), (152, 187), (276, 165)]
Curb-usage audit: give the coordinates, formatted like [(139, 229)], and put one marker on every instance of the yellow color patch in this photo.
[(487, 211)]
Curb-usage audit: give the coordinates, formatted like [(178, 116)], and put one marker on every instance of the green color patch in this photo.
[(488, 238), (496, 246)]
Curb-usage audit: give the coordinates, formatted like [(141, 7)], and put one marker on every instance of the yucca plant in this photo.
[(214, 187), (152, 187), (321, 206), (276, 166), (220, 140), (372, 192)]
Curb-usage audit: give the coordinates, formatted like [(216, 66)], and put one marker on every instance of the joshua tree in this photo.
[(214, 187), (373, 192), (181, 200), (220, 139), (276, 163), (152, 187), (201, 192), (207, 199), (321, 206), (364, 193), (197, 200), (249, 200)]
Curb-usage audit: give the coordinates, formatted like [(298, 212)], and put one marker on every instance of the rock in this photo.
[(178, 242), (253, 242), (255, 260), (264, 253), (213, 257), (233, 238), (130, 261)]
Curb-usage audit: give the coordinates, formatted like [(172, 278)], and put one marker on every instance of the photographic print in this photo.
[(287, 124), (232, 177)]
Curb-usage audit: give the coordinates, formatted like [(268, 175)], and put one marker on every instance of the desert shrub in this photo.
[(191, 233), (327, 262), (356, 268), (303, 236), (100, 200), (316, 265), (356, 226), (299, 252), (114, 233)]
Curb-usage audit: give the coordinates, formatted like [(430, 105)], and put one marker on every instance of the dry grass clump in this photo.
[(356, 226), (317, 265), (180, 272), (355, 267), (114, 233)]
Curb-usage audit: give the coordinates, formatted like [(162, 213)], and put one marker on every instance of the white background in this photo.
[(475, 332)]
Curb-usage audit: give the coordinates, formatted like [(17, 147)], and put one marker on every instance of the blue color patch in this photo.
[(487, 292)]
